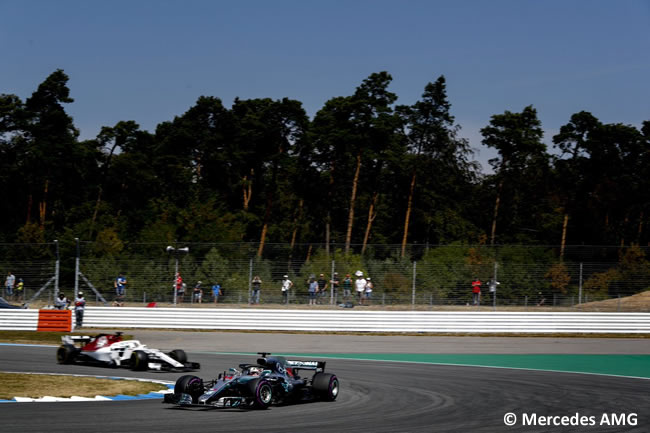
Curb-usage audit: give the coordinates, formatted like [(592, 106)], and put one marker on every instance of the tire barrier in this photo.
[(351, 321)]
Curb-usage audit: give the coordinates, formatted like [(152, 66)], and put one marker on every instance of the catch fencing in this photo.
[(352, 321), (588, 278)]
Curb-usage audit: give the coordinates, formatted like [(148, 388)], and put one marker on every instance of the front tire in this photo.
[(139, 360), (325, 386), (191, 385), (262, 393), (178, 355)]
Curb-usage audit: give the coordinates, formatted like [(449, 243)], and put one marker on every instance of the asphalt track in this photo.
[(375, 396)]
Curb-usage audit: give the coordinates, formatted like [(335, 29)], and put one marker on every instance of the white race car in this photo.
[(112, 351)]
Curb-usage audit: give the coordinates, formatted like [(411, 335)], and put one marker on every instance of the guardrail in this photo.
[(348, 320)]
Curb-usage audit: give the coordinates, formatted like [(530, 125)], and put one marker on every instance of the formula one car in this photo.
[(273, 380), (112, 351)]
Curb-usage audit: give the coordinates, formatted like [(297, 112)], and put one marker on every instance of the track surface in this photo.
[(375, 397)]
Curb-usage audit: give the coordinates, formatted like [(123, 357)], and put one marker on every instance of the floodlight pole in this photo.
[(171, 249)]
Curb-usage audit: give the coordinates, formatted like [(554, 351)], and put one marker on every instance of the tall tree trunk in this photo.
[(42, 206), (497, 202), (639, 231), (247, 189), (353, 197), (296, 220), (328, 216), (409, 206), (565, 224), (372, 214), (269, 206), (95, 212)]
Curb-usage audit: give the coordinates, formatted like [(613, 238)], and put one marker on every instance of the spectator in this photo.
[(79, 307), (313, 289), (335, 286), (120, 290), (347, 287), (179, 286), (360, 286), (476, 291), (322, 287), (287, 284), (541, 300), (368, 290), (10, 281), (61, 302), (257, 286), (197, 293), (216, 291), (20, 290), (492, 286)]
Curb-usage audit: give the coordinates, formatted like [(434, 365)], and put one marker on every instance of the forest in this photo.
[(368, 182), (364, 171)]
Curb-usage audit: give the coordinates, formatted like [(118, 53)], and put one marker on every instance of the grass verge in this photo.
[(41, 385)]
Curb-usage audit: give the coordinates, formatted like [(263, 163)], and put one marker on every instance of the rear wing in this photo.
[(72, 339), (306, 365)]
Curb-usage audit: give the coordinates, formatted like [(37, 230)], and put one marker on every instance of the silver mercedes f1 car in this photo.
[(272, 380)]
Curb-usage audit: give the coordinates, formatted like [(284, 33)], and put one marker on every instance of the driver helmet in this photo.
[(255, 371)]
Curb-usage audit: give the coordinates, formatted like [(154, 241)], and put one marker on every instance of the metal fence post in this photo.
[(580, 286), (56, 270), (76, 269), (250, 281), (332, 288), (415, 264)]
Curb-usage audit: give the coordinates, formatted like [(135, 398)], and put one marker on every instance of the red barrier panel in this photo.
[(54, 320)]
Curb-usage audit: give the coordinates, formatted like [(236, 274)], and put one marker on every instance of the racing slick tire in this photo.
[(325, 386), (178, 355), (262, 393), (191, 385), (139, 360), (65, 354)]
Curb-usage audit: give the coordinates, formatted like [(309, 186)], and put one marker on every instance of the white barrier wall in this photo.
[(347, 320), (18, 320)]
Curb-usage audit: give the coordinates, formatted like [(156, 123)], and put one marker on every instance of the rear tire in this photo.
[(191, 385), (139, 360), (65, 354), (325, 386), (178, 355), (262, 393)]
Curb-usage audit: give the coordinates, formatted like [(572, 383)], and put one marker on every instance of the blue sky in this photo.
[(149, 61)]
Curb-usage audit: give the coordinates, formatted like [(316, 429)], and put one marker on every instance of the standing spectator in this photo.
[(492, 286), (216, 291), (347, 287), (368, 290), (313, 289), (322, 287), (476, 291), (120, 290), (20, 290), (79, 307), (360, 286), (257, 286), (179, 286), (287, 284), (9, 285), (197, 293), (61, 302), (335, 286)]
